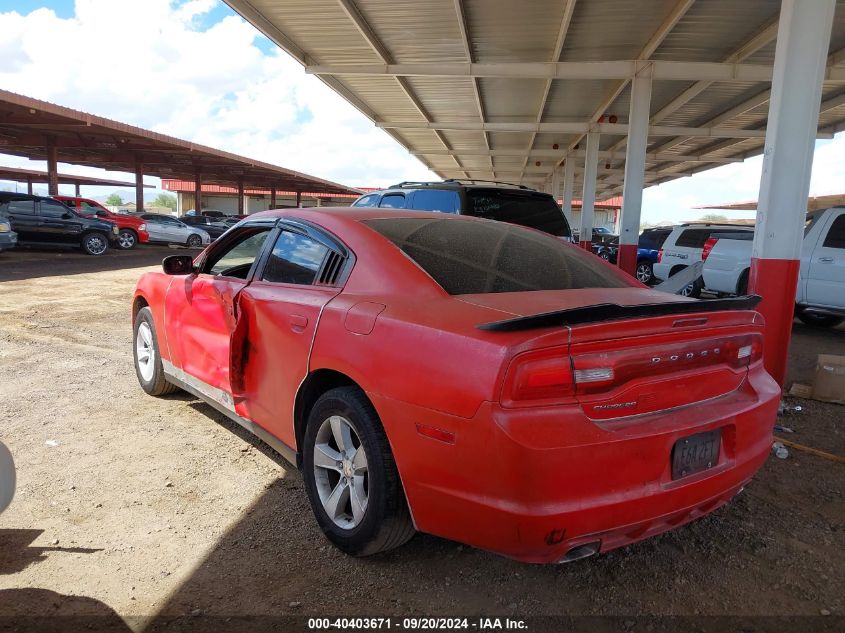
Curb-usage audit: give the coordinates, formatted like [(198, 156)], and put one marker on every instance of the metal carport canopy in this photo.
[(507, 90)]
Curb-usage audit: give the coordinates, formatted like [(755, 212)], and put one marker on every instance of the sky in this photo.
[(195, 70)]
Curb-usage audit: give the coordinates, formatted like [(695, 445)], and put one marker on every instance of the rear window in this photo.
[(467, 257), (526, 208)]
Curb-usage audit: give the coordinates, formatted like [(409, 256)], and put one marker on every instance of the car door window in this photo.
[(836, 234), (367, 201), (296, 259), (53, 210), (393, 201), (237, 257)]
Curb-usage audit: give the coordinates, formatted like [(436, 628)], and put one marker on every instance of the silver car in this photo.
[(170, 230)]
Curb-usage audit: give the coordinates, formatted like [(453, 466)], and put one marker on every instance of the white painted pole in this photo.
[(800, 57), (632, 189), (556, 183), (568, 187), (588, 197)]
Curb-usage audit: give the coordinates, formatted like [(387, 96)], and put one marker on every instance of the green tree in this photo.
[(165, 200), (713, 217), (114, 200)]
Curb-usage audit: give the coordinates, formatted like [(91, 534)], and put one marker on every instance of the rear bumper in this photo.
[(533, 484)]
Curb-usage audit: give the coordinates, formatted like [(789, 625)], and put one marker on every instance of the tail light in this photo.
[(550, 376), (539, 377), (660, 256), (708, 246)]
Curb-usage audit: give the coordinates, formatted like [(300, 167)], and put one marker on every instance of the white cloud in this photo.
[(151, 64)]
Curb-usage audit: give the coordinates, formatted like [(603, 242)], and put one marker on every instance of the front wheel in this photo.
[(644, 272), (148, 366), (351, 477), (95, 243), (194, 240)]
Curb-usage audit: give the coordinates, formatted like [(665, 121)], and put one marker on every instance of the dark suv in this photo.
[(493, 200), (42, 221)]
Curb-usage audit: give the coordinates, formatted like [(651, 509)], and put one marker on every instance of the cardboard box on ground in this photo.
[(829, 382)]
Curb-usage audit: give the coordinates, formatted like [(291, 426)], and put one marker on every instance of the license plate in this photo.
[(695, 453)]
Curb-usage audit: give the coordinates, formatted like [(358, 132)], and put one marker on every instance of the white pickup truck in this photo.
[(820, 299)]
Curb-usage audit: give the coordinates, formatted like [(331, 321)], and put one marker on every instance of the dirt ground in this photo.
[(142, 509)]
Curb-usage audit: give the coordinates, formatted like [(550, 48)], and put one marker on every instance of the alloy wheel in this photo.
[(96, 245), (145, 351), (126, 239), (340, 472), (644, 273)]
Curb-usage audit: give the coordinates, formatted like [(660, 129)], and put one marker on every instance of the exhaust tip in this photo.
[(581, 551)]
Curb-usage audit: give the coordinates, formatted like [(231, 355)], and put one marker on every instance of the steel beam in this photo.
[(198, 192), (568, 188), (139, 184), (52, 168), (802, 45)]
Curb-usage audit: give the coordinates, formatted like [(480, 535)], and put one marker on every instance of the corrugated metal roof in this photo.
[(435, 42)]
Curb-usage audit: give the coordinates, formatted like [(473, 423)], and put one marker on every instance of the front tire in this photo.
[(126, 239), (145, 350), (351, 477), (95, 243), (194, 241)]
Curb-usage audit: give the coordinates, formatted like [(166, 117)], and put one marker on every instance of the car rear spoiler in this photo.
[(614, 312)]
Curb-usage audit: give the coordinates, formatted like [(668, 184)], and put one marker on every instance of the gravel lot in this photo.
[(152, 508)]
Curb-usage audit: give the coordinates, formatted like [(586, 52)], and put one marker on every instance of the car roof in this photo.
[(454, 184)]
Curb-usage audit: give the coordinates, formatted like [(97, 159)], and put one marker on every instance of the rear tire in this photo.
[(145, 351), (127, 239), (645, 274), (95, 243), (819, 320), (742, 284), (194, 241), (364, 471)]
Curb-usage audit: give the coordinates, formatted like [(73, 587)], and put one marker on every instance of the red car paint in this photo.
[(526, 468), (83, 207)]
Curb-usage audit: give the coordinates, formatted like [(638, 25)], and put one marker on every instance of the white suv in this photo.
[(684, 247)]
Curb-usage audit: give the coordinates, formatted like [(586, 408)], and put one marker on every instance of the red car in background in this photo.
[(131, 229), (472, 379)]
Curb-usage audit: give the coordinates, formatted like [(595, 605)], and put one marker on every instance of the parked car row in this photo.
[(71, 221)]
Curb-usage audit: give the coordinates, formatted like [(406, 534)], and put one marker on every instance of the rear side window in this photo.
[(296, 259), (836, 234), (50, 209), (468, 257), (393, 201), (440, 200), (693, 238), (653, 239), (536, 211), (21, 207)]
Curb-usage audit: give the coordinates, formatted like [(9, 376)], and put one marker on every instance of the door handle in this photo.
[(298, 322), (826, 260)]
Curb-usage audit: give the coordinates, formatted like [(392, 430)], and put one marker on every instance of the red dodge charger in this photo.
[(472, 379)]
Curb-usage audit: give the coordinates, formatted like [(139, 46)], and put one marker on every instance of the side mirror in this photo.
[(178, 265)]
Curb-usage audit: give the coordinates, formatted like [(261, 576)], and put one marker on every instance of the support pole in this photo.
[(272, 197), (198, 192), (568, 188), (139, 184), (29, 186), (556, 183), (52, 169), (588, 197), (240, 196), (632, 189), (800, 56), (77, 190), (298, 199)]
